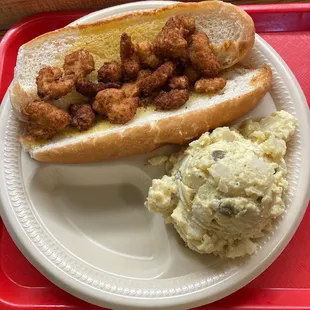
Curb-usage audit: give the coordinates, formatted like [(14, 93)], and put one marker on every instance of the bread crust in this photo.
[(178, 129)]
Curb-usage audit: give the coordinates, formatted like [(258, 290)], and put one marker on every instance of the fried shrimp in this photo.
[(192, 74), (46, 115), (202, 57), (110, 72), (210, 85), (113, 103), (78, 64), (39, 132), (131, 89), (143, 74), (184, 22), (157, 79), (171, 100), (170, 43), (51, 85), (105, 98), (82, 116), (90, 89), (130, 62), (171, 40), (146, 101), (178, 82), (123, 112), (145, 51)]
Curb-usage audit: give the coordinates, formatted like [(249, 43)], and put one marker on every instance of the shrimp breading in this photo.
[(143, 74), (51, 85), (187, 23), (170, 43), (78, 64), (210, 85), (46, 115), (90, 89), (113, 103), (145, 51), (129, 58), (39, 132), (156, 80), (146, 101), (123, 112), (178, 82), (82, 116), (107, 97), (201, 55), (131, 89), (171, 40), (192, 74), (171, 100), (110, 72)]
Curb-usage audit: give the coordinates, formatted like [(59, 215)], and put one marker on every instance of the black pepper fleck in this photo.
[(218, 154), (227, 209)]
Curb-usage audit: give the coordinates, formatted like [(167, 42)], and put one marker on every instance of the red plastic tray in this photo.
[(284, 285)]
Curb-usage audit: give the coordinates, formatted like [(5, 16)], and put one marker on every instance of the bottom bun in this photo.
[(245, 88)]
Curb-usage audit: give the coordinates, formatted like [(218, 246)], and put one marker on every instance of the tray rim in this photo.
[(42, 15)]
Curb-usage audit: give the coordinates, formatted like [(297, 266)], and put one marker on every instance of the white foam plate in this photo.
[(86, 229)]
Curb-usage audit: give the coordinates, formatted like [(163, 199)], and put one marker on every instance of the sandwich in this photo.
[(130, 84)]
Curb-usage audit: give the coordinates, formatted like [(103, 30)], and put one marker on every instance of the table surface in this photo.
[(13, 11)]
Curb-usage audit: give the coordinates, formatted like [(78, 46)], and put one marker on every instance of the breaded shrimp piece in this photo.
[(145, 51), (156, 80), (90, 89), (129, 58), (192, 74), (171, 100), (131, 89), (39, 132), (171, 41), (113, 103), (202, 57), (82, 116), (210, 85), (178, 82), (51, 85), (78, 64), (46, 115), (110, 72), (187, 23)]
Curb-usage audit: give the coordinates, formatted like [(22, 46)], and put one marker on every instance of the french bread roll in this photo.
[(231, 33), (150, 129)]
